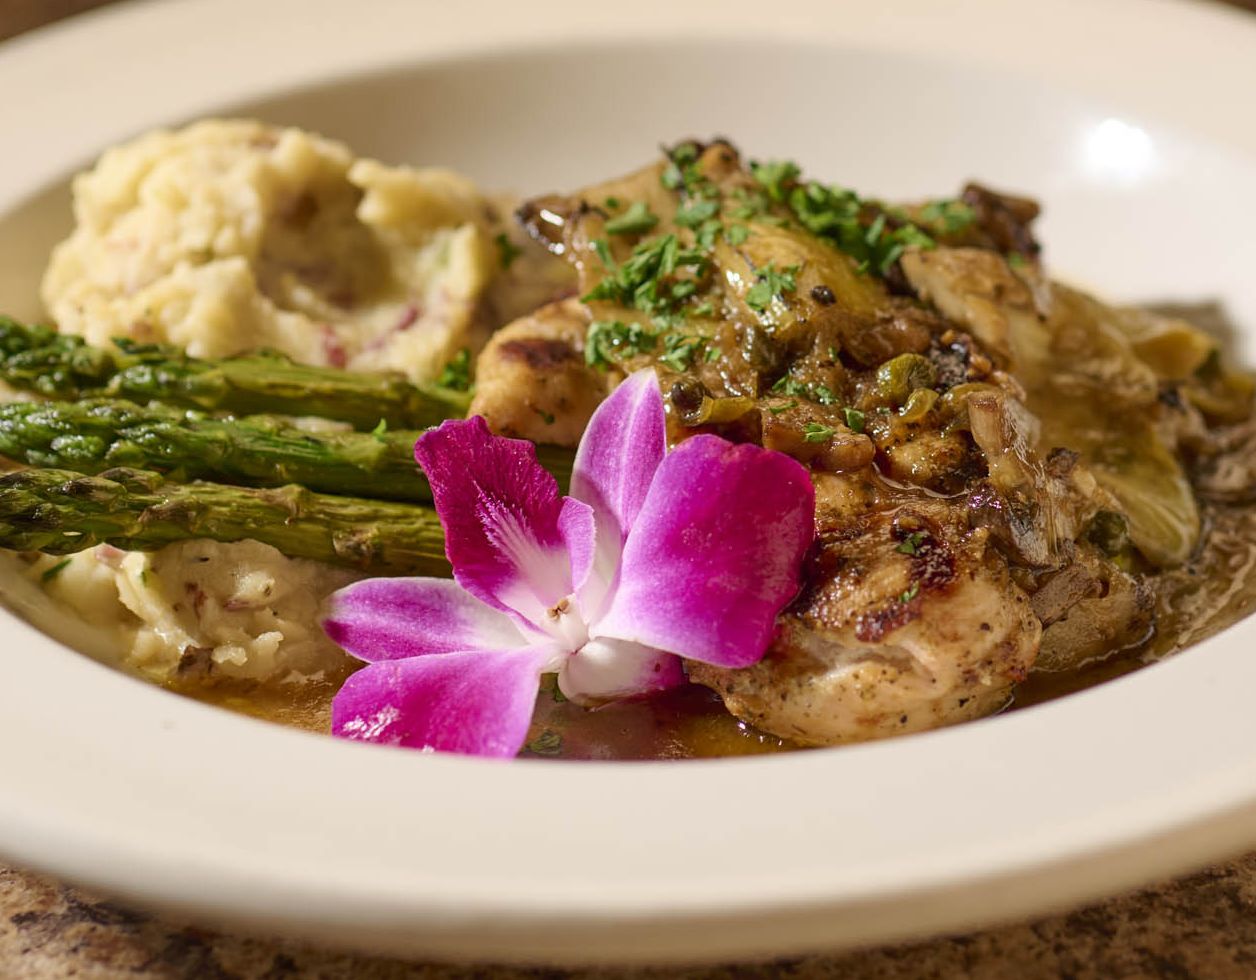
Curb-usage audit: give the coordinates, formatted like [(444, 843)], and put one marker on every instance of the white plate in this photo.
[(1129, 118)]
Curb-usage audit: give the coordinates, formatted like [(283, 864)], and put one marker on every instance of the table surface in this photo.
[(1201, 926)]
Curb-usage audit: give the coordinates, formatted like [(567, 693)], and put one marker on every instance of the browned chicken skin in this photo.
[(955, 539), (532, 381)]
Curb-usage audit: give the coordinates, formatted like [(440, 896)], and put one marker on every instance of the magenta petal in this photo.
[(477, 703), (502, 514), (395, 618), (622, 447), (606, 669), (715, 552)]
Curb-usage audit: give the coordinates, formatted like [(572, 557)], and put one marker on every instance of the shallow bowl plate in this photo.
[(1125, 118)]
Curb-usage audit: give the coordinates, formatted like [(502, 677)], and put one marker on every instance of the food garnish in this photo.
[(655, 556)]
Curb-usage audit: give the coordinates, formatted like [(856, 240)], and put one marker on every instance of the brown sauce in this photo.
[(1212, 591), (1194, 602)]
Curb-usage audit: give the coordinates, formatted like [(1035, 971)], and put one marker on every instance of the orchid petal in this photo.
[(606, 669), (622, 447), (508, 533), (475, 702), (714, 554), (395, 618)]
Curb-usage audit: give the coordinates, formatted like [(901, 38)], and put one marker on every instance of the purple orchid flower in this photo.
[(655, 556)]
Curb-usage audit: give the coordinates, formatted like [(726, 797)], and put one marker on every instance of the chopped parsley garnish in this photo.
[(381, 428), (712, 354), (792, 388), (610, 341), (548, 743), (775, 177), (692, 215), (637, 220), (777, 409), (603, 249), (457, 373), (910, 545), (641, 282), (839, 216), (947, 216), (507, 251), (678, 351), (704, 309), (681, 170), (736, 234), (911, 593), (815, 432), (854, 419), (772, 282), (50, 573), (612, 202)]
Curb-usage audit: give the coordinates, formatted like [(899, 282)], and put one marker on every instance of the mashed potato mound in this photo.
[(232, 235), (202, 609)]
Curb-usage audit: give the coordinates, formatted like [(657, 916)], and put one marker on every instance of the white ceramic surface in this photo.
[(1130, 119)]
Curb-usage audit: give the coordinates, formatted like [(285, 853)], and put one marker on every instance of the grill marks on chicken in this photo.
[(953, 544)]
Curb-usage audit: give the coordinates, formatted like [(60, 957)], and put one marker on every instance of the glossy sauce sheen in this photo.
[(1202, 598)]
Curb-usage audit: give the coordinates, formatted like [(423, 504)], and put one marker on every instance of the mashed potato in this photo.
[(200, 609), (233, 235)]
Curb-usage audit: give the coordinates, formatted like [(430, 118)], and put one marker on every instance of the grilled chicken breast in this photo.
[(915, 358)]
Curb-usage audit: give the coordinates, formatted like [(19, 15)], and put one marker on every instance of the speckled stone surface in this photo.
[(1202, 927)]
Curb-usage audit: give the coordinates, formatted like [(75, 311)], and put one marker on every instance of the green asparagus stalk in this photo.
[(59, 512), (261, 451), (64, 366)]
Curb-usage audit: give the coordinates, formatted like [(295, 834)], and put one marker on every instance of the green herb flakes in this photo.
[(736, 234), (815, 432), (456, 375), (49, 574), (775, 177), (792, 388), (381, 428), (507, 251), (678, 351), (549, 743), (947, 216), (692, 215), (772, 283), (911, 592), (854, 419), (910, 545), (637, 220), (610, 341)]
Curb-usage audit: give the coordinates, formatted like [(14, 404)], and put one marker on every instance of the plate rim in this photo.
[(454, 916)]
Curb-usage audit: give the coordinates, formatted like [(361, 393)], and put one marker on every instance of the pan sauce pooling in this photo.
[(1020, 490)]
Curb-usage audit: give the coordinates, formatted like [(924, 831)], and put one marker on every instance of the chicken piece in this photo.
[(532, 381), (1089, 611), (977, 289), (910, 621)]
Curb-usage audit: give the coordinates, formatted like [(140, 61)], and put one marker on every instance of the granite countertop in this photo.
[(1201, 926)]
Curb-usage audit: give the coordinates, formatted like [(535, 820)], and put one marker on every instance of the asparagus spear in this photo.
[(261, 451), (59, 511), (64, 366)]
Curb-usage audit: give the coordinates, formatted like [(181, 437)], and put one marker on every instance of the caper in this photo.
[(1109, 532), (686, 395), (919, 404), (898, 377)]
